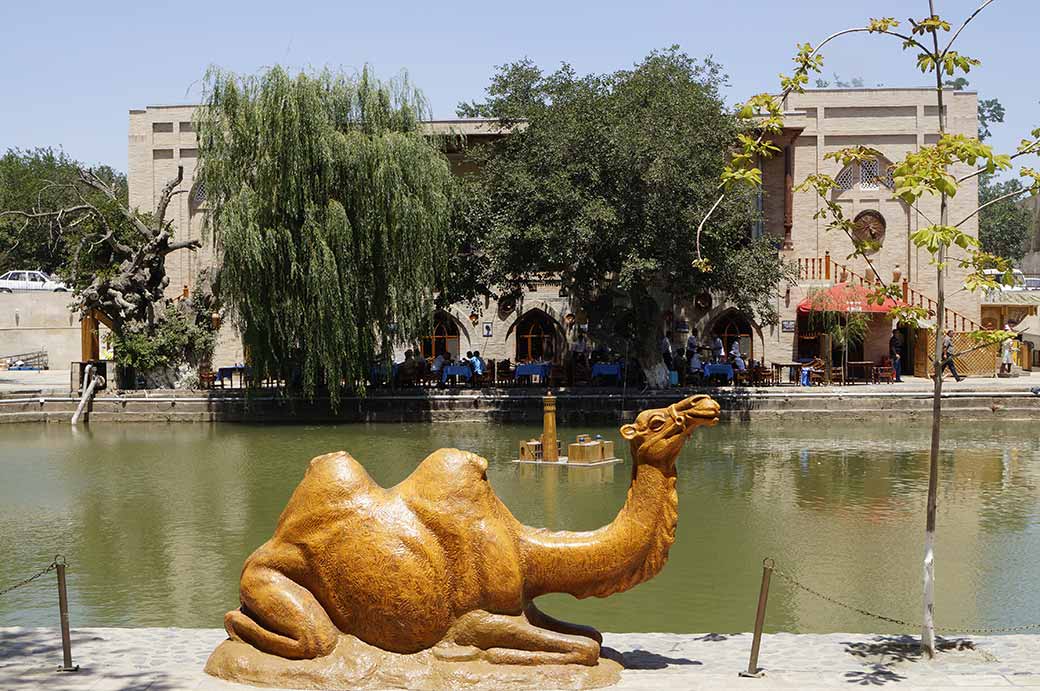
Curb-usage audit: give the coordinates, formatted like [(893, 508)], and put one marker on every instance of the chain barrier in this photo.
[(50, 567), (892, 620)]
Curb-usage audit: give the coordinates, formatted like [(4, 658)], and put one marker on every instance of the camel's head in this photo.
[(658, 435)]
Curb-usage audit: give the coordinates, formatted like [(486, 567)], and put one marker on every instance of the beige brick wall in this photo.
[(895, 121)]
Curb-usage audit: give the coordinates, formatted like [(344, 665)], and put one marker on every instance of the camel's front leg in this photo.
[(280, 617), (513, 640)]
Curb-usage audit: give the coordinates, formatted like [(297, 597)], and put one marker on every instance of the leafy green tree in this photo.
[(333, 212), (601, 184), (924, 173), (1005, 227), (46, 179)]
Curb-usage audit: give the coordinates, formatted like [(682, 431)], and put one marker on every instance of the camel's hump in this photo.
[(338, 468)]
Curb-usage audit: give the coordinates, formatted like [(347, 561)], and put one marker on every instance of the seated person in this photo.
[(695, 361), (409, 370), (476, 363), (736, 358), (440, 361), (466, 360)]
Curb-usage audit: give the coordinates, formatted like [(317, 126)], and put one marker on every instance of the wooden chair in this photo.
[(505, 375), (208, 378), (885, 373)]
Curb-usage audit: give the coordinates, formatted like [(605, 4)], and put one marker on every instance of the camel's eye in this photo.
[(656, 424)]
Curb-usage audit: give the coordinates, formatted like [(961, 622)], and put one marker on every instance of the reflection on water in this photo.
[(157, 520)]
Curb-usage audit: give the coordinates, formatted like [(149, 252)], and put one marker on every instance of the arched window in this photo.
[(444, 338), (535, 337), (735, 326), (870, 175)]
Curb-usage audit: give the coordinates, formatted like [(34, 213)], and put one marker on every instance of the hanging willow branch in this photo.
[(332, 211)]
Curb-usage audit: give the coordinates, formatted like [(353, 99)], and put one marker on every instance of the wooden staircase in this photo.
[(825, 269)]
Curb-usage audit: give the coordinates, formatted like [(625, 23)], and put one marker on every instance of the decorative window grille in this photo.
[(870, 175), (887, 179), (200, 194), (844, 179)]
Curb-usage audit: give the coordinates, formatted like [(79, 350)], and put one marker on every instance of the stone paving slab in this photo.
[(156, 659)]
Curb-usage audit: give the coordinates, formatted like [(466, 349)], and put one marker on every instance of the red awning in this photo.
[(843, 297)]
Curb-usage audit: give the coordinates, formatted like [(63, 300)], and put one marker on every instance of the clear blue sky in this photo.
[(72, 70)]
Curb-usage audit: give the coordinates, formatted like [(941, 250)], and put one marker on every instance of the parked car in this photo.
[(1018, 278), (30, 280)]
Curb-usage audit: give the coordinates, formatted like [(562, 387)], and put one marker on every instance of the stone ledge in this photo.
[(172, 659)]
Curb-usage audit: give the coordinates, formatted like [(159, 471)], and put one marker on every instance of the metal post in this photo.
[(760, 620), (63, 607)]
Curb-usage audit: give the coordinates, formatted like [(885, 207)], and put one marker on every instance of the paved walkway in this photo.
[(48, 380), (172, 659)]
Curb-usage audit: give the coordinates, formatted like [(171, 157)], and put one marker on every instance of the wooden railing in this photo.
[(825, 269)]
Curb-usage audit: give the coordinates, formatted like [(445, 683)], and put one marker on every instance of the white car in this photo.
[(30, 280)]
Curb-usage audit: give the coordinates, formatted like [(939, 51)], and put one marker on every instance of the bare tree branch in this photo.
[(1010, 195), (167, 194), (967, 21)]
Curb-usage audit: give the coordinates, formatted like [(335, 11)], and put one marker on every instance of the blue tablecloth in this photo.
[(533, 370), (607, 369), (715, 370), (229, 372), (456, 371)]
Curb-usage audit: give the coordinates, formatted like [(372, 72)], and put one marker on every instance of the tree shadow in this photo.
[(881, 653), (29, 661)]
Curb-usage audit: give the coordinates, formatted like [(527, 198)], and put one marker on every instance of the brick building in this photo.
[(543, 322)]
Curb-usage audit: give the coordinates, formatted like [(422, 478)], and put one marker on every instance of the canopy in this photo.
[(843, 297)]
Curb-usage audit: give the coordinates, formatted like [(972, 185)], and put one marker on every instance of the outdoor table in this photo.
[(456, 371), (723, 370), (865, 366), (229, 374), (607, 369), (533, 370), (794, 372)]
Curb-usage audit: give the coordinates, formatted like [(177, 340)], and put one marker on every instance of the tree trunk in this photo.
[(928, 622), (648, 351)]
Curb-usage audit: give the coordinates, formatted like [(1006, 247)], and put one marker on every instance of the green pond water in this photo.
[(156, 520)]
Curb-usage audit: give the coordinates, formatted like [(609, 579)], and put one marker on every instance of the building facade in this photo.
[(543, 323)]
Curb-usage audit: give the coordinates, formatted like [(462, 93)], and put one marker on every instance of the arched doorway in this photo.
[(537, 338), (735, 326), (443, 338)]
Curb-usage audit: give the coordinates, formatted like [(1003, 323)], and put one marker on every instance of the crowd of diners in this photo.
[(692, 363)]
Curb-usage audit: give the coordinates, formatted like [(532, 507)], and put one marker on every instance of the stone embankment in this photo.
[(583, 406), (173, 659)]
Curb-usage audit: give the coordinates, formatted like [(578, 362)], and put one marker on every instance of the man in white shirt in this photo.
[(438, 362)]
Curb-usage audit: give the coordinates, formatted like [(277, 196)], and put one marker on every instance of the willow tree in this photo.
[(332, 211)]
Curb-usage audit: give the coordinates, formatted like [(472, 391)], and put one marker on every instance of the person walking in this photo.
[(947, 356), (1006, 353), (895, 353)]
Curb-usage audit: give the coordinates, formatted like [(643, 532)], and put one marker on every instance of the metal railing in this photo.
[(826, 269), (59, 565)]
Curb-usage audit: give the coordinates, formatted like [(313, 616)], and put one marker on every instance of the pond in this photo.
[(156, 520)]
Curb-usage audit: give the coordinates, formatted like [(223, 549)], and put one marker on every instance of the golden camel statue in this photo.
[(439, 564)]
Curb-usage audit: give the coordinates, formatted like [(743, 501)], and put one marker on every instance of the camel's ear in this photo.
[(629, 432)]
